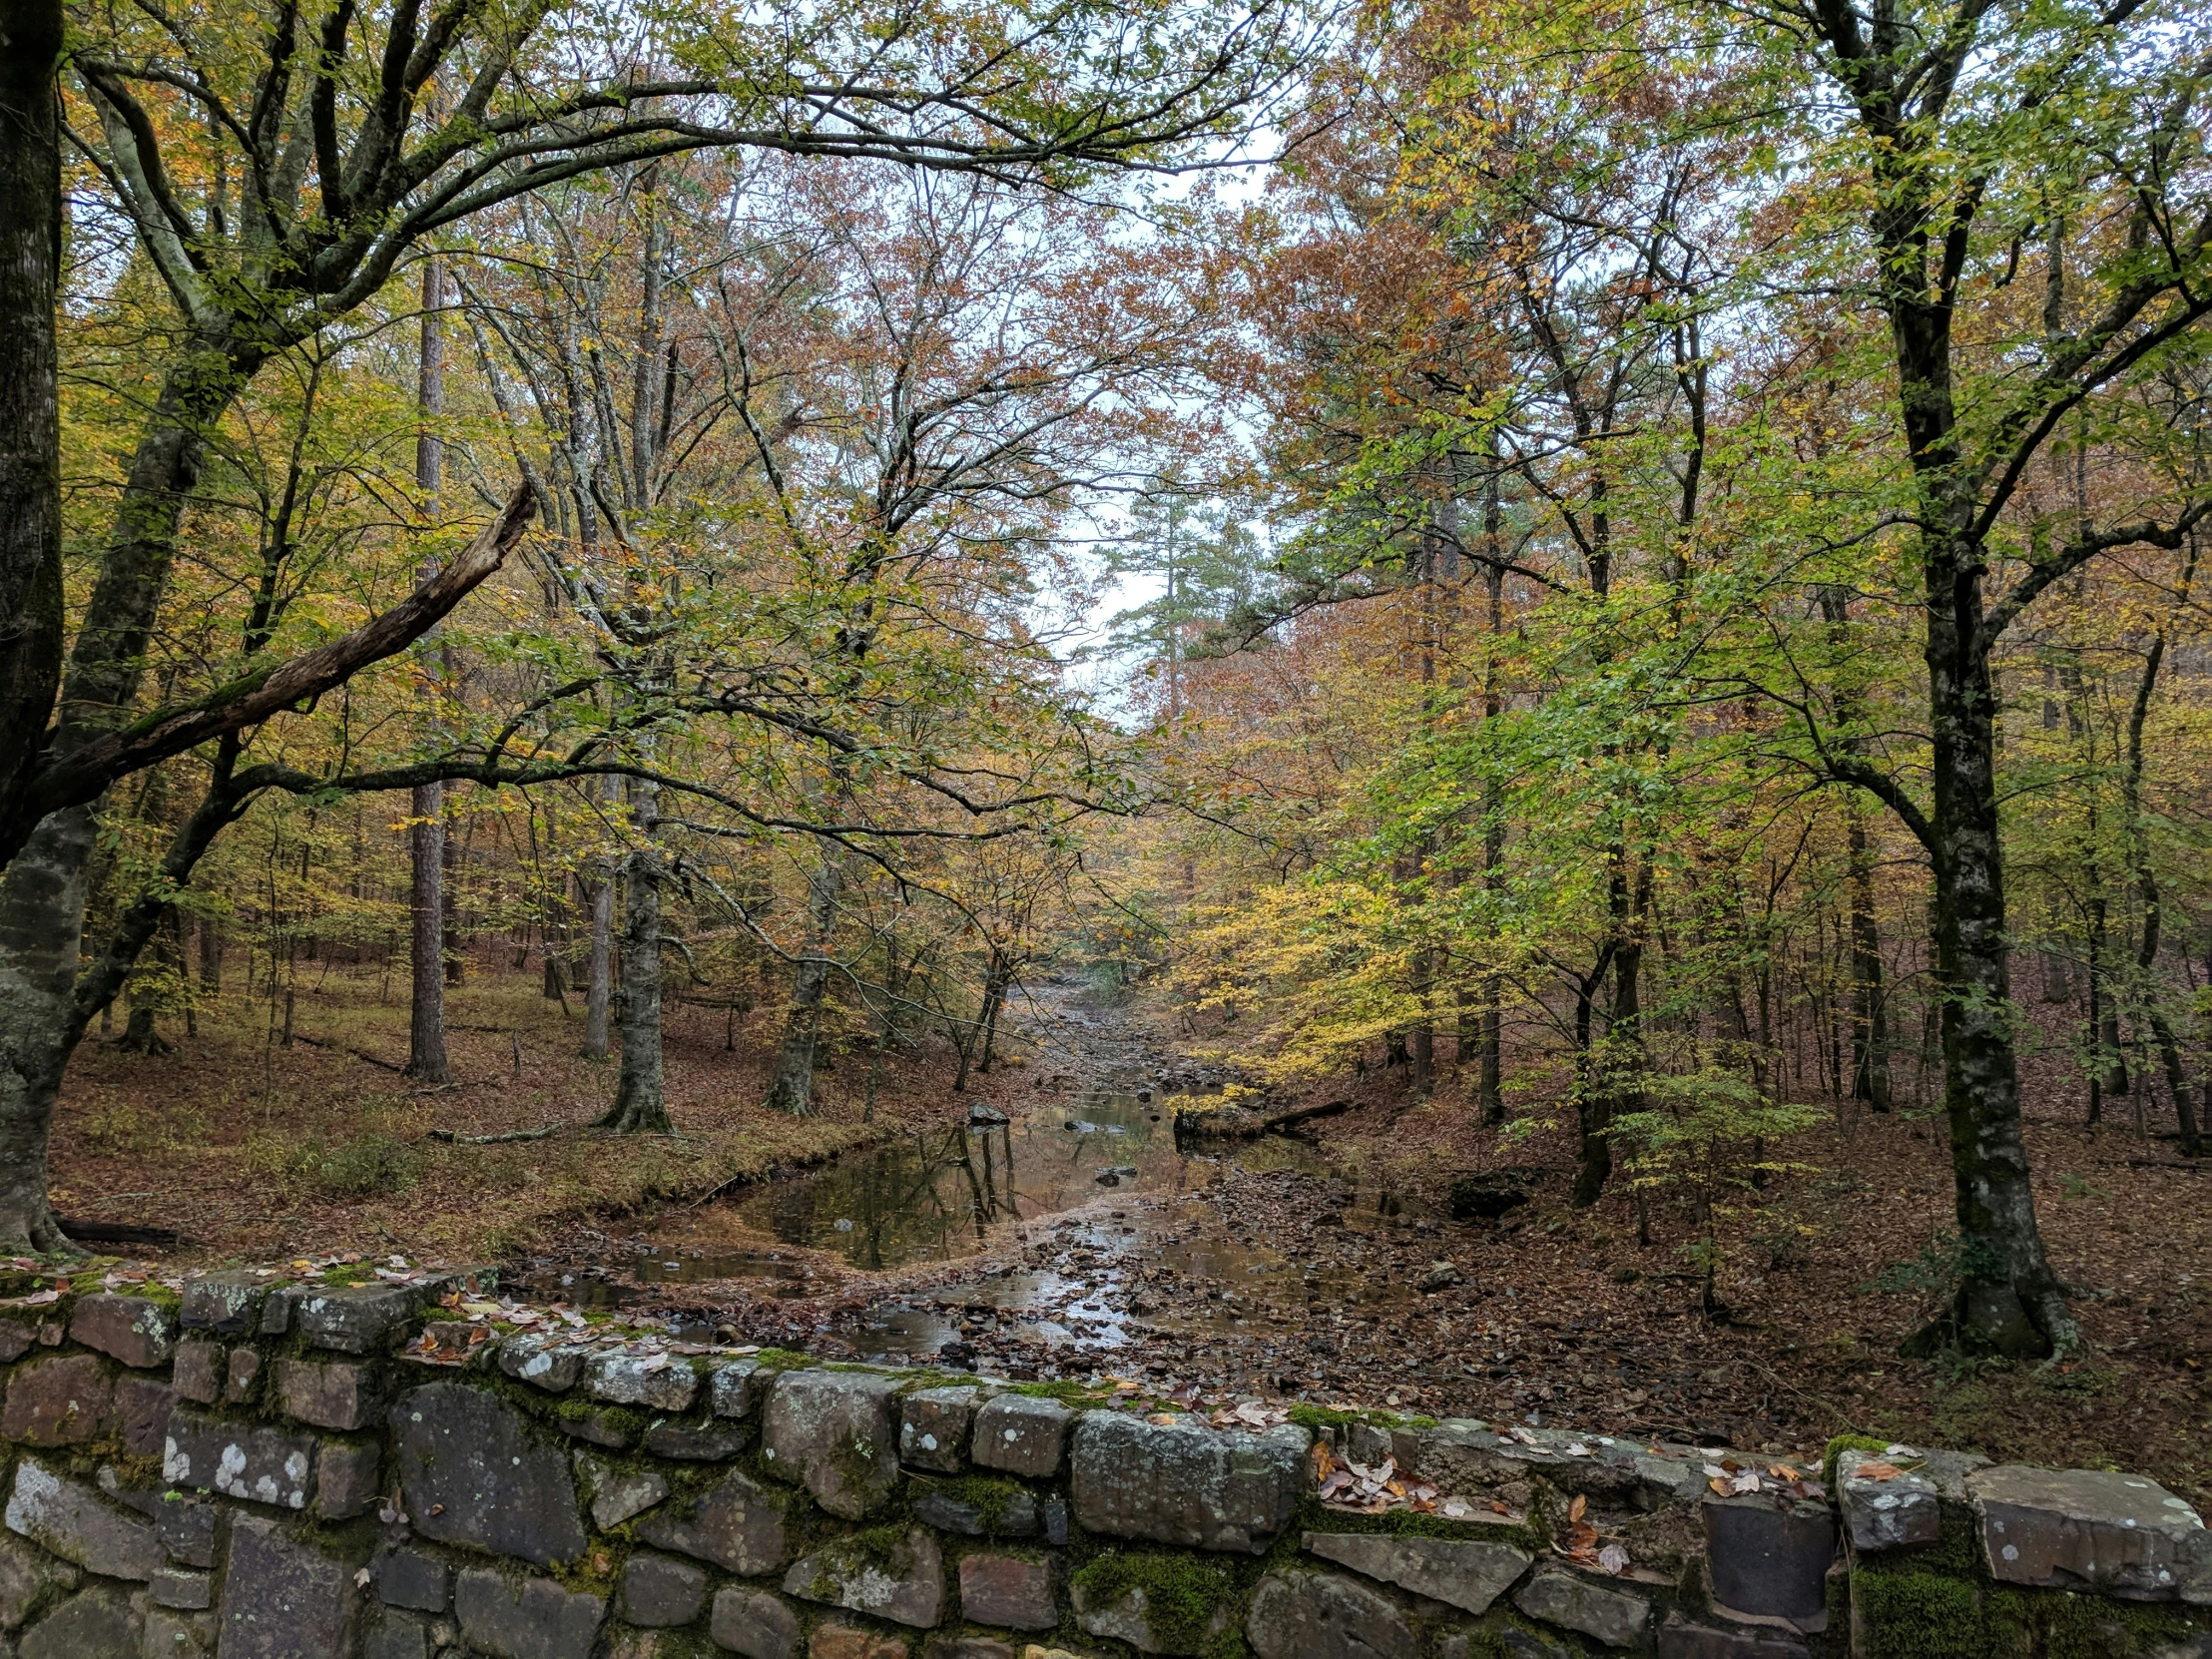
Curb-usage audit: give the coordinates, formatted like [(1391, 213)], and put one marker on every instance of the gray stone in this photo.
[(242, 1372), (755, 1624), (197, 1373), (1014, 1515), (30, 1581), (1319, 1615), (1461, 1456), (1021, 1435), (1054, 1513), (838, 1432), (1009, 1590), (141, 1410), (62, 1402), (341, 1394), (98, 1623), (735, 1388), (903, 1582), (1770, 1556), (967, 1647), (346, 1477), (397, 1637), (77, 1525), (845, 1641), (182, 1587), (933, 1428), (473, 1473), (1127, 1617), (1681, 1640), (1573, 1602), (549, 1362), (1665, 1482), (1468, 1574), (184, 1527), (1907, 1508), (609, 1427), (736, 1524), (281, 1599), (174, 1633), (698, 1443), (410, 1578), (2083, 1529), (223, 1303), (1182, 1483), (618, 1494), (265, 1465), (657, 1382), (15, 1341), (354, 1319), (660, 1593), (137, 1329), (535, 1619)]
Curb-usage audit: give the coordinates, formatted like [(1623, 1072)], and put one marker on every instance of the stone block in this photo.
[(412, 1580), (755, 1624), (197, 1373), (618, 1494), (278, 1308), (354, 1318), (1678, 1639), (182, 1587), (843, 1641), (533, 1619), (395, 1636), (971, 1647), (249, 1460), (609, 1427), (184, 1527), (838, 1432), (1904, 1509), (142, 1405), (30, 1581), (64, 1401), (733, 1390), (346, 1475), (1319, 1615), (137, 1329), (1184, 1483), (97, 1623), (902, 1581), (1053, 1513), (1126, 1612), (1467, 1574), (175, 1633), (736, 1524), (16, 1339), (549, 1362), (997, 1510), (1007, 1590), (281, 1598), (698, 1443), (223, 1303), (657, 1382), (243, 1376), (1769, 1556), (933, 1428), (659, 1592), (2083, 1529), (473, 1473), (342, 1394), (77, 1525), (1577, 1602), (1021, 1435)]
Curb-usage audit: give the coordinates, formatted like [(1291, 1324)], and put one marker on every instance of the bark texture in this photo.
[(791, 1089), (641, 1105)]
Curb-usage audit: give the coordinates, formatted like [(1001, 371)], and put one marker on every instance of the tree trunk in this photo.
[(793, 1087), (427, 1059), (30, 420), (42, 908), (599, 970), (641, 1106), (1870, 1026)]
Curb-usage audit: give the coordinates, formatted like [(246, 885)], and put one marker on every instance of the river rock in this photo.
[(736, 1524), (137, 1329), (1571, 1601), (660, 1593), (1182, 1484), (533, 1619), (1009, 1590), (902, 1582), (1021, 1435), (1319, 1615), (80, 1526), (754, 1624), (1468, 1574), (838, 1432), (2085, 1529), (473, 1473)]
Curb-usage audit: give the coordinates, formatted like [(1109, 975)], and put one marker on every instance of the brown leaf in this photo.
[(1878, 1471), (1576, 1509)]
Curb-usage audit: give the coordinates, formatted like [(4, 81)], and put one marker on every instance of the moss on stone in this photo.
[(1181, 1594), (1912, 1610), (1843, 1444), (988, 1497)]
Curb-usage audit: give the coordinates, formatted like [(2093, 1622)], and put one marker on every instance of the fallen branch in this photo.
[(348, 1048), (494, 1140)]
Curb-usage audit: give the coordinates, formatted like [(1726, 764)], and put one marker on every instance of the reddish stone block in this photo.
[(58, 1402)]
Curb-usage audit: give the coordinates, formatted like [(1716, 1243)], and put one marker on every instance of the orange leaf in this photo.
[(1580, 1503), (1878, 1471)]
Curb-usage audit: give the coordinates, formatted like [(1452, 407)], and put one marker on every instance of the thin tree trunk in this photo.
[(42, 908), (426, 1058), (1870, 1026), (2151, 900), (599, 970), (641, 1105), (1489, 1088), (793, 1087)]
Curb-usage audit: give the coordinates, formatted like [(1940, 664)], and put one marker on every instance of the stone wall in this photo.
[(255, 1468)]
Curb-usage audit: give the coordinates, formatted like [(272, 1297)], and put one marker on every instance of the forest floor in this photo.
[(1279, 1266)]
